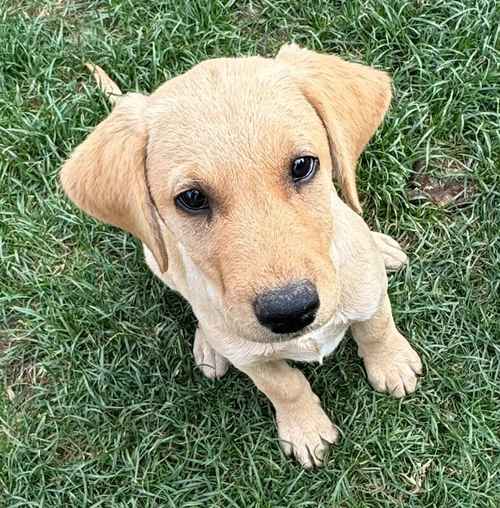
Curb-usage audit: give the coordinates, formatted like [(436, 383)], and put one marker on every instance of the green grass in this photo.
[(106, 407)]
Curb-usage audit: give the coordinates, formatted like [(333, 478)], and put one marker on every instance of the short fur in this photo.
[(232, 127)]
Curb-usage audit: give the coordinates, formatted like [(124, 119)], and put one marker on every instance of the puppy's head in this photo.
[(235, 159)]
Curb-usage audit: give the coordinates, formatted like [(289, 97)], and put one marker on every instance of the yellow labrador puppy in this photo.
[(225, 175)]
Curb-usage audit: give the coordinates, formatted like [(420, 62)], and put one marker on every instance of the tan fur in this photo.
[(351, 99), (231, 127), (106, 84), (105, 175)]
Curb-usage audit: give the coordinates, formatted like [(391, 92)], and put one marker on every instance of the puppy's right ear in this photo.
[(106, 175)]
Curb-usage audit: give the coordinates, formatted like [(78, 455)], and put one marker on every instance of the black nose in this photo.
[(287, 309)]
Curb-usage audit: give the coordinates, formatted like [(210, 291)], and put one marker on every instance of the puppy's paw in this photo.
[(306, 432), (393, 367), (394, 256), (211, 363)]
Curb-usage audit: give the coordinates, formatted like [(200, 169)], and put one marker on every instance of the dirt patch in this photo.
[(49, 9), (70, 10), (443, 182), (18, 374), (251, 22), (21, 377), (4, 344), (8, 327)]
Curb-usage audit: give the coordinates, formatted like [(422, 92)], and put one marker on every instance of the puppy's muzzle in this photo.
[(288, 309)]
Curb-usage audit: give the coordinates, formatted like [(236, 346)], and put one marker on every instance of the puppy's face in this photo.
[(236, 159), (244, 184)]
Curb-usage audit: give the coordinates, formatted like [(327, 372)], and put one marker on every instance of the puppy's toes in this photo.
[(415, 362), (287, 447), (306, 433), (394, 256), (393, 370), (211, 363)]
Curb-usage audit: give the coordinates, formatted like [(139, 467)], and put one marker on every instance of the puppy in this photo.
[(225, 174)]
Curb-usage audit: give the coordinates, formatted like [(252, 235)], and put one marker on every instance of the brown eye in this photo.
[(304, 168), (192, 201)]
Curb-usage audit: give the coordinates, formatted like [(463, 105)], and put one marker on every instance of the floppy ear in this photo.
[(351, 101), (106, 175)]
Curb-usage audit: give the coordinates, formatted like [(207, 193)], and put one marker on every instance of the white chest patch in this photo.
[(316, 345)]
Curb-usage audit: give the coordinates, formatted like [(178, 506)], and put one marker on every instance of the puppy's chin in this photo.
[(264, 336), (273, 338)]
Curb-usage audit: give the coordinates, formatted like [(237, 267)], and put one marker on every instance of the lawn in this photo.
[(100, 400)]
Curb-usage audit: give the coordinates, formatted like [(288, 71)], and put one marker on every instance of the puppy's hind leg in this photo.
[(211, 363), (394, 256)]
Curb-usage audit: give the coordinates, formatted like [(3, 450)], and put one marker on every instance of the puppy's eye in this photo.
[(192, 201), (304, 168)]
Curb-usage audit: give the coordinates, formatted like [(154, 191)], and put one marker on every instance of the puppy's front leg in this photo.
[(391, 364), (303, 427)]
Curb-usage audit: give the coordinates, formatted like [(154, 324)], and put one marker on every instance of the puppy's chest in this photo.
[(315, 346)]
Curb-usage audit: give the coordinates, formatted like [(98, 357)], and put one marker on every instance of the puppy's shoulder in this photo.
[(359, 264)]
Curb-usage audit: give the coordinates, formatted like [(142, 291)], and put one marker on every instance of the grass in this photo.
[(101, 404)]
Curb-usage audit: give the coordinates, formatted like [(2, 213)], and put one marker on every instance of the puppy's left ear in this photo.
[(351, 101)]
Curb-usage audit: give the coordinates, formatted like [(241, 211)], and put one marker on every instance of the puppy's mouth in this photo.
[(267, 336), (314, 327), (284, 337)]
